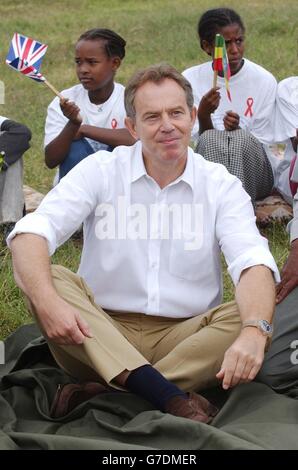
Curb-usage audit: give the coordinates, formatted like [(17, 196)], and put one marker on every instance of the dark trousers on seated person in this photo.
[(11, 193), (79, 150), (280, 367), (187, 352)]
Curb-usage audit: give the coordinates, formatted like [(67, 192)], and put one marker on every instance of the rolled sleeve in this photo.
[(255, 256), (37, 224), (66, 206), (237, 233)]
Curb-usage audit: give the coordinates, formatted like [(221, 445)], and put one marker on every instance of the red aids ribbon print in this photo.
[(114, 123), (249, 102)]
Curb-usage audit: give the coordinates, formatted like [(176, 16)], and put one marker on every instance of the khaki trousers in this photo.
[(188, 352)]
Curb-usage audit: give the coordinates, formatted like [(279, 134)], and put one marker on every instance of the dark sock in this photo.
[(151, 385)]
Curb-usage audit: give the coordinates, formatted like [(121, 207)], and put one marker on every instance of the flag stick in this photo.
[(53, 89), (215, 78), (59, 95)]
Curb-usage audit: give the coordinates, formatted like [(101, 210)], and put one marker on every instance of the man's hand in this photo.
[(243, 360), (63, 324), (71, 111), (209, 103), (289, 274), (231, 121)]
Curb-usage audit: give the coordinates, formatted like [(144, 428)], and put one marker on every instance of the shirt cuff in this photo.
[(38, 225), (254, 257)]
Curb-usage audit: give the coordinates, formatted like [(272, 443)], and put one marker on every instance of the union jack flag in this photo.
[(25, 55)]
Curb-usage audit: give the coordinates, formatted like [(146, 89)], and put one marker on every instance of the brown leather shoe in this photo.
[(68, 396), (195, 407)]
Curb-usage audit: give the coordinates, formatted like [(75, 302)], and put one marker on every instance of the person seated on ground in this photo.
[(280, 368), (14, 141), (286, 125), (286, 129), (234, 133), (91, 117), (144, 311)]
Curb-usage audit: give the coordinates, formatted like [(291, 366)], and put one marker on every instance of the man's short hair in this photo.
[(156, 74)]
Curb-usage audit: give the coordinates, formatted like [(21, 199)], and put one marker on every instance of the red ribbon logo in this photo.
[(249, 102), (114, 123)]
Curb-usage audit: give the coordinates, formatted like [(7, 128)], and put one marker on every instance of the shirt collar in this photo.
[(188, 174), (139, 169)]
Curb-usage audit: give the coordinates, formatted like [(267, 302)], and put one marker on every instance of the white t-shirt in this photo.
[(133, 258), (285, 125), (286, 112), (253, 91), (108, 115)]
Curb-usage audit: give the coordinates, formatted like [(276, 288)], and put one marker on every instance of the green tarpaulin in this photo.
[(252, 417)]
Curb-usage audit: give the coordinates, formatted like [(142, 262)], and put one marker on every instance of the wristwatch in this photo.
[(263, 325)]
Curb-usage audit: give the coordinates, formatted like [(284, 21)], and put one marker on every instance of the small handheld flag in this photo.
[(221, 62), (25, 55)]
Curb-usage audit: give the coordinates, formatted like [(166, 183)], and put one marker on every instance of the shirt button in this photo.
[(154, 264)]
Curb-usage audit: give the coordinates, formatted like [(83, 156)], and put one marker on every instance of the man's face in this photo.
[(163, 123)]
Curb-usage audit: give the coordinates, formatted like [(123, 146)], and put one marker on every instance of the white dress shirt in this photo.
[(163, 267)]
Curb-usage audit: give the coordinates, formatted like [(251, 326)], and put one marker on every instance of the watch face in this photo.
[(266, 327)]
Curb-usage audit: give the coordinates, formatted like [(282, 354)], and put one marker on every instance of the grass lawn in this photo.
[(155, 31)]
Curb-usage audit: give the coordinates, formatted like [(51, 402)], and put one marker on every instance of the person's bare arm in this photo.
[(208, 104), (58, 148), (59, 321), (113, 137), (289, 274), (255, 296)]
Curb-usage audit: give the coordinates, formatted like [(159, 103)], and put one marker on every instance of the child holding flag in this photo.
[(234, 130), (91, 115)]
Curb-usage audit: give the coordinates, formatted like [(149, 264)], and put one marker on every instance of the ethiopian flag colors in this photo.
[(221, 61)]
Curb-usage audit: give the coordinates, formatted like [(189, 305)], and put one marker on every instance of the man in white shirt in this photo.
[(144, 310)]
